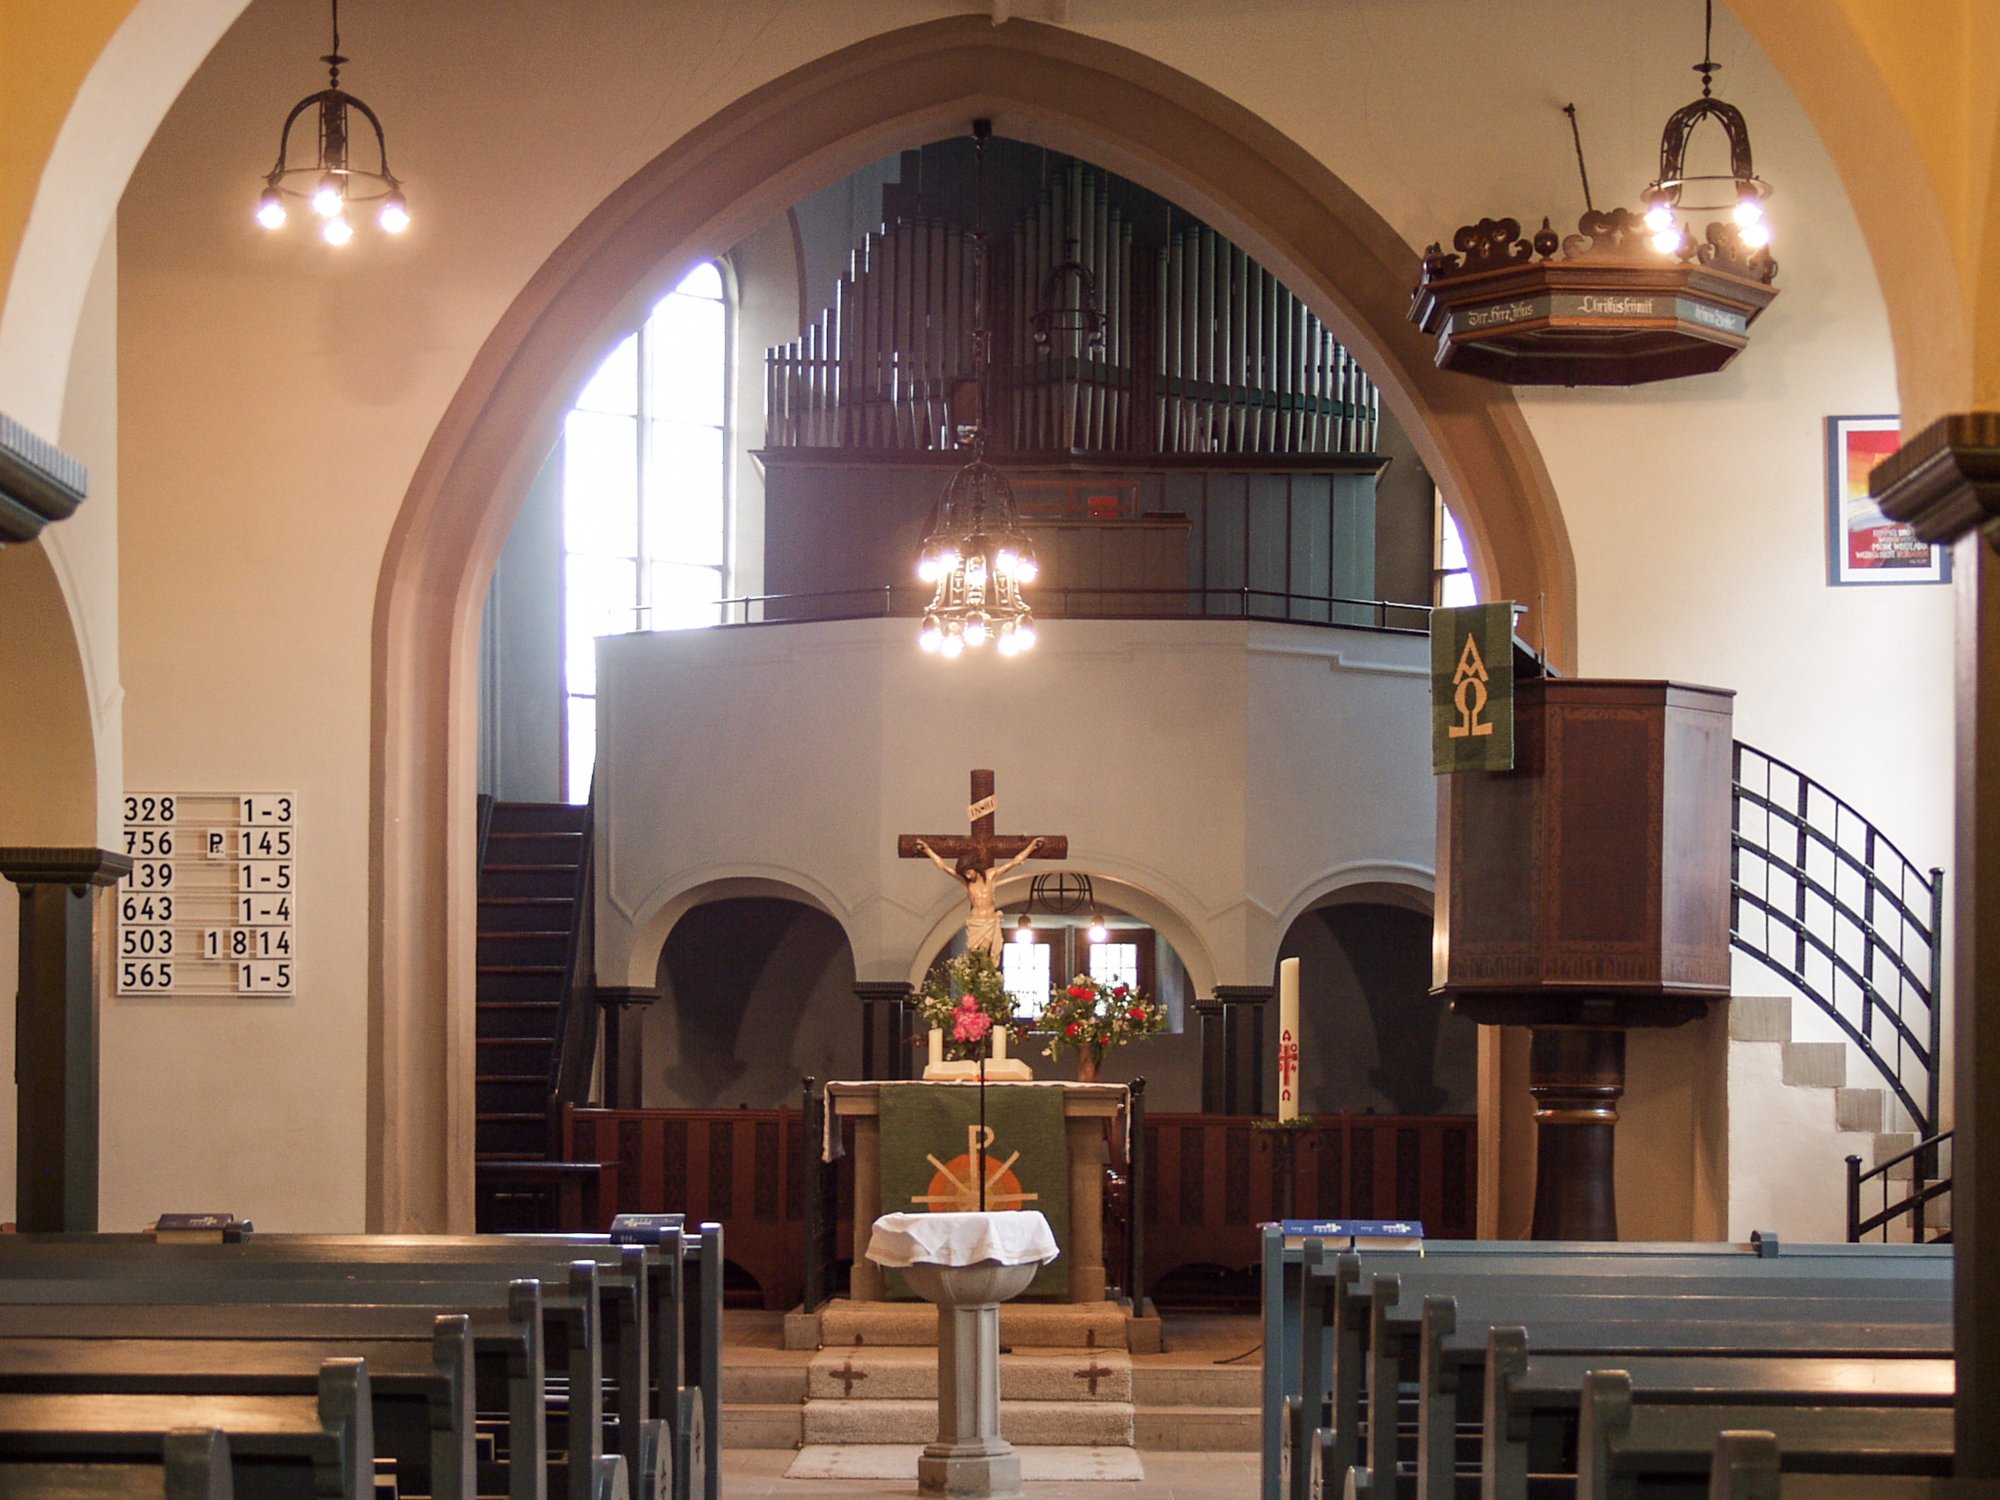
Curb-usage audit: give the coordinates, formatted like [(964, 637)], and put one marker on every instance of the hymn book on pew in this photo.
[(200, 1229), (1353, 1234)]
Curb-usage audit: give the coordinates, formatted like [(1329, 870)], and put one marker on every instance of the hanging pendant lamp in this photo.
[(332, 181), (976, 550)]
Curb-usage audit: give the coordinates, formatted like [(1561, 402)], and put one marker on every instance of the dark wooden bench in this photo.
[(315, 1447), (1679, 1452), (570, 1330), (1534, 1402), (422, 1394), (506, 1351), (662, 1324), (1323, 1424), (193, 1464)]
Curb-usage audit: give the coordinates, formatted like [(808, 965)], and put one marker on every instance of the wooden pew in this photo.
[(1674, 1450), (422, 1394), (1533, 1403), (318, 1447), (506, 1352), (570, 1328), (1453, 1358), (665, 1341), (663, 1326), (193, 1464), (1322, 1424)]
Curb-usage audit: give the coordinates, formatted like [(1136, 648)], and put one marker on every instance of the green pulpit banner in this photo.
[(930, 1159), (1472, 688)]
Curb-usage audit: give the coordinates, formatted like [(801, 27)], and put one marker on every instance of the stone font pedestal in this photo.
[(970, 1458), (1577, 1076)]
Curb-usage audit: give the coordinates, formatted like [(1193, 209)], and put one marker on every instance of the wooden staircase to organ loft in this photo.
[(533, 883)]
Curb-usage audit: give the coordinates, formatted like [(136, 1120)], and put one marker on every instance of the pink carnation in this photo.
[(971, 1026)]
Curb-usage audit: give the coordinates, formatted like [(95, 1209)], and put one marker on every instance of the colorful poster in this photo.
[(1863, 545)]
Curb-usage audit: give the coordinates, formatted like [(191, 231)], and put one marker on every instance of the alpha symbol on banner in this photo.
[(1470, 695), (1288, 1064), (955, 1187)]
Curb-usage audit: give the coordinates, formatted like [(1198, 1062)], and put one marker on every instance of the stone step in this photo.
[(1857, 1109), (1760, 1018), (747, 1424), (1197, 1429), (755, 1385), (1229, 1386), (1820, 1065), (1023, 1325), (911, 1374), (1090, 1424)]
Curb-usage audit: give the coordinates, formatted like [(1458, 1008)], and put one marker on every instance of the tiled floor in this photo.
[(750, 1474)]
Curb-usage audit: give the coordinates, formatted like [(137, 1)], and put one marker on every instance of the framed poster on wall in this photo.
[(1862, 544)]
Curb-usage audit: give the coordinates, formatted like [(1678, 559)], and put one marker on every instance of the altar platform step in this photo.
[(1023, 1325), (911, 1375), (1088, 1424)]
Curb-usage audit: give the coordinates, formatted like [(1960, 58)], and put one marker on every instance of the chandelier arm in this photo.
[(285, 133), (381, 140), (1680, 126)]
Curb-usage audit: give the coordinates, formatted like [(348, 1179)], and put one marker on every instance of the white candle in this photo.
[(937, 1045), (1288, 1039), (999, 1043)]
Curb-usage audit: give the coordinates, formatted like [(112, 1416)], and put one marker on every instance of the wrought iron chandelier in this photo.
[(975, 550), (332, 181), (1664, 199), (1059, 894)]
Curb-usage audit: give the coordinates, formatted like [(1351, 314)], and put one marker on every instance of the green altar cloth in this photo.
[(930, 1137)]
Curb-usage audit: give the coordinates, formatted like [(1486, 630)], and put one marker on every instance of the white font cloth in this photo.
[(1014, 1237)]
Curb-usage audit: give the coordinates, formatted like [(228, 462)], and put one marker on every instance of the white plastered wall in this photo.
[(275, 400)]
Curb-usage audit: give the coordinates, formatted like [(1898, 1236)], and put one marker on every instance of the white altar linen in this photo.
[(1008, 1237)]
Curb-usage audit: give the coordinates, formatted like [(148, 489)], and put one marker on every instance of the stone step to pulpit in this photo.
[(1023, 1325), (911, 1375), (1091, 1424)]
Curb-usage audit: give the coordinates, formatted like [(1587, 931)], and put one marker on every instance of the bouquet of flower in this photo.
[(965, 1000), (1090, 1015)]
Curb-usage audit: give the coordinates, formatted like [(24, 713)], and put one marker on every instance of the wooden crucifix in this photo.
[(970, 859)]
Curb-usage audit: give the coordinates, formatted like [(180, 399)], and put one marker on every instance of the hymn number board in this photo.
[(211, 904)]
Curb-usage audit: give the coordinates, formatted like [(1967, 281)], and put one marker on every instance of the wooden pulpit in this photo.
[(1585, 892)]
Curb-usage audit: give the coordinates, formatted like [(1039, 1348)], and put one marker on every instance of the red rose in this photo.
[(1119, 992), (1137, 1012), (1074, 1029), (1078, 992)]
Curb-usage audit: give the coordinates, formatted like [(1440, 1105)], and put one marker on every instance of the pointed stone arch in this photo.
[(715, 185)]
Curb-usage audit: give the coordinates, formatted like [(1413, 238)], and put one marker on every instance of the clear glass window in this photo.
[(1115, 963), (1451, 574), (1024, 969), (645, 493)]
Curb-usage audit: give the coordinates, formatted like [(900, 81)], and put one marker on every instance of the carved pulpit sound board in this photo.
[(211, 905)]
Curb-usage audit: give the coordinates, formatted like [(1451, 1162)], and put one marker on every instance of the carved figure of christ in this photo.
[(970, 860)]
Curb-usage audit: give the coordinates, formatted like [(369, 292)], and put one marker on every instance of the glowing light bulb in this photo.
[(271, 209), (1756, 236), (336, 231), (1024, 634), (928, 568), (950, 646), (1748, 211), (1659, 218), (975, 629), (395, 215), (948, 561), (1098, 931), (1024, 933), (1026, 569), (932, 635), (327, 198), (1007, 644), (1006, 562), (1667, 241)]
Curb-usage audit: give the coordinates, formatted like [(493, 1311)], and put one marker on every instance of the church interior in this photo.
[(490, 652)]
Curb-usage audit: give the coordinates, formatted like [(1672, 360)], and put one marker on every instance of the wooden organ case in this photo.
[(1214, 452)]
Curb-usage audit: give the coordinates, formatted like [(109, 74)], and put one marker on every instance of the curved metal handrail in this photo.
[(1846, 919), (1930, 1182)]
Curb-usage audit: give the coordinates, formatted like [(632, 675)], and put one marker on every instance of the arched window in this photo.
[(1451, 575), (645, 495)]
